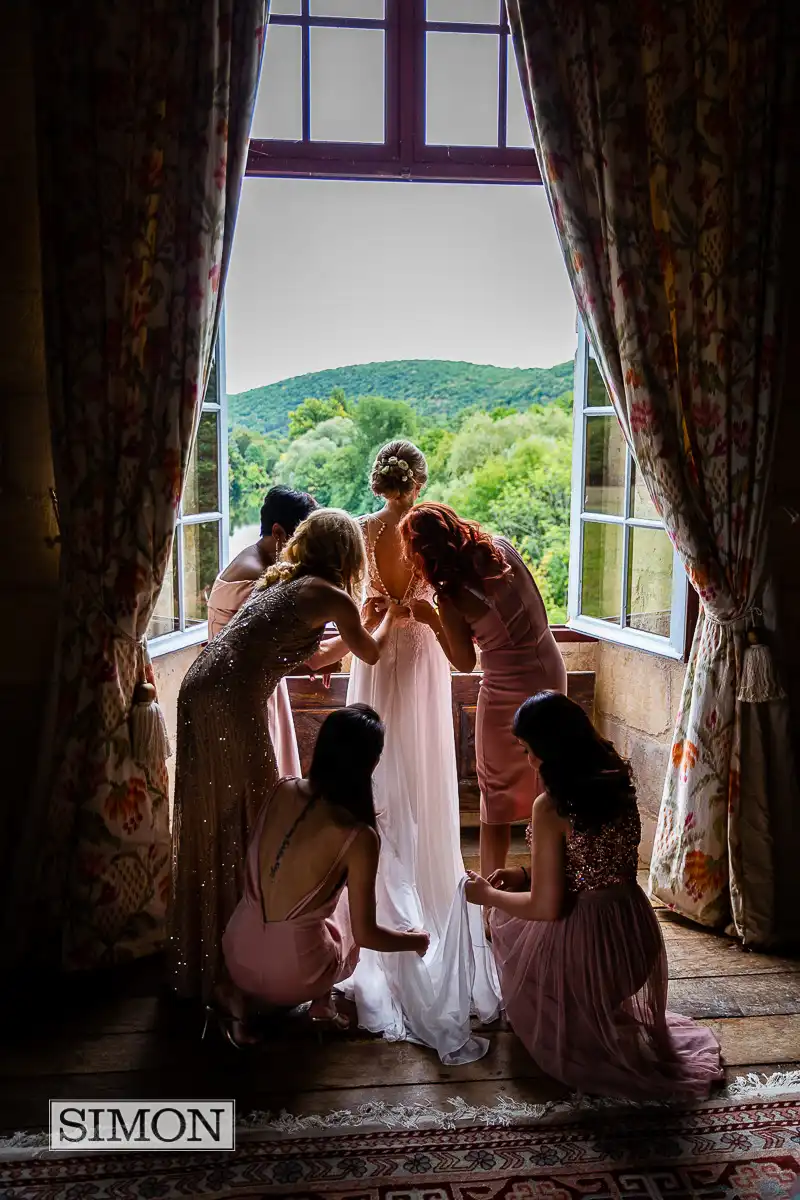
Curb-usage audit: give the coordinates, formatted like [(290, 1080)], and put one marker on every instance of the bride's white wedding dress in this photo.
[(421, 871)]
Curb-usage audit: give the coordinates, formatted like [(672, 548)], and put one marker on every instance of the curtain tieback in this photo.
[(147, 725), (758, 682)]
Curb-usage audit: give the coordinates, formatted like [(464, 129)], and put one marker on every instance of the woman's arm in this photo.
[(451, 631), (325, 604), (362, 869), (545, 899)]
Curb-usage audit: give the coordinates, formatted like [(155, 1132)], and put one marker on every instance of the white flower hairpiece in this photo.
[(402, 466)]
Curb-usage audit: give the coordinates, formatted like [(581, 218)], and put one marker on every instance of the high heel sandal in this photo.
[(332, 1019), (225, 1024)]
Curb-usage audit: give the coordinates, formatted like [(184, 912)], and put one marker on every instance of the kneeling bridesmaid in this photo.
[(579, 951), (309, 901)]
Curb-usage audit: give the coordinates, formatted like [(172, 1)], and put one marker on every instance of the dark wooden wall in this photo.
[(311, 703)]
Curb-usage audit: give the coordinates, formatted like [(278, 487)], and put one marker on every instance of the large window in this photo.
[(393, 89), (626, 582), (200, 544)]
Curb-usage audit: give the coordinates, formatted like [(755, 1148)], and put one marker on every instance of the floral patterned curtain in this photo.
[(659, 128), (144, 112)]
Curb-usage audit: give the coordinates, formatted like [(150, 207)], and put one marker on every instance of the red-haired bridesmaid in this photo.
[(486, 596)]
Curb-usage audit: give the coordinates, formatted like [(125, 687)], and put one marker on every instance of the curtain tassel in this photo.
[(149, 739), (759, 681)]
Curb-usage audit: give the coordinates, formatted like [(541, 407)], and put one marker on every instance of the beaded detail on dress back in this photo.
[(417, 588), (605, 858)]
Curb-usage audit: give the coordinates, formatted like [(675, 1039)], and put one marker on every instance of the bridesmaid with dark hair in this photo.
[(579, 951), (309, 900)]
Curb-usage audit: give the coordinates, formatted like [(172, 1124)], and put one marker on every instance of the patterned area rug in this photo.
[(726, 1150)]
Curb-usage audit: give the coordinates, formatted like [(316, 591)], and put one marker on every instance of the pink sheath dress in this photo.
[(299, 958), (519, 657), (226, 598), (587, 994)]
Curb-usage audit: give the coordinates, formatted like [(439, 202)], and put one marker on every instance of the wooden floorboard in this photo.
[(121, 1035)]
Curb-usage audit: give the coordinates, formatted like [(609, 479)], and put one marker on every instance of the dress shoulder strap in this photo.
[(305, 901)]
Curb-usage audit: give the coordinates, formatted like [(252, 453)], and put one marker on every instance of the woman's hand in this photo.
[(478, 890), (508, 879), (423, 939), (424, 612), (373, 611)]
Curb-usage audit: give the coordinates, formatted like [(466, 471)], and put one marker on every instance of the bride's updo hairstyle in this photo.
[(399, 467), (349, 747), (589, 782), (329, 544), (454, 553)]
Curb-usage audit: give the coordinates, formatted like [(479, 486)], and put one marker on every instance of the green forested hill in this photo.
[(434, 387)]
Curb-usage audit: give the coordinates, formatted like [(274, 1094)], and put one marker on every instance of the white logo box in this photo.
[(138, 1125)]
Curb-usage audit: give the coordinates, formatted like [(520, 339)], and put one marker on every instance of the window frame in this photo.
[(404, 154), (675, 645), (193, 635)]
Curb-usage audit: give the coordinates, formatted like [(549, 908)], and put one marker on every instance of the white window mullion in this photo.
[(222, 445), (181, 588), (579, 396), (626, 508)]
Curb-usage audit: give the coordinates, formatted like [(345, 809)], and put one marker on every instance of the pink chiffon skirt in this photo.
[(587, 994)]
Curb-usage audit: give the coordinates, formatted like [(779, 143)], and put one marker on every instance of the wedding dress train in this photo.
[(421, 871)]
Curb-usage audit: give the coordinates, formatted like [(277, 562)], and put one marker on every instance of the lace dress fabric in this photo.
[(587, 993), (225, 770), (421, 871)]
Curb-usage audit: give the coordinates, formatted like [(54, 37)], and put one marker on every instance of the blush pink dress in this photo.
[(519, 657), (226, 598), (300, 957), (587, 994)]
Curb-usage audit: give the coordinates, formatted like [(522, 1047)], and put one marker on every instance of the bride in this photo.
[(421, 871)]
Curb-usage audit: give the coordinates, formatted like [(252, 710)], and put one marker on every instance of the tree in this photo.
[(313, 412)]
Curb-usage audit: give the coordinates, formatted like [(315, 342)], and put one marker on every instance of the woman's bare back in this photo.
[(300, 842), (390, 572)]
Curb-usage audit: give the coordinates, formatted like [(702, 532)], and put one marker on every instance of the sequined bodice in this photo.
[(265, 641), (603, 859)]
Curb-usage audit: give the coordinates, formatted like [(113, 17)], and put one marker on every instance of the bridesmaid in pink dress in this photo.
[(581, 959), (487, 597), (309, 900), (281, 513)]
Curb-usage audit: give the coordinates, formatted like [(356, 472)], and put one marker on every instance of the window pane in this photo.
[(641, 504), (279, 103), (601, 572), (166, 618), (211, 396), (598, 396), (518, 128), (347, 85), (367, 10), (478, 12), (604, 481), (201, 488), (285, 8), (650, 564), (461, 89), (200, 568)]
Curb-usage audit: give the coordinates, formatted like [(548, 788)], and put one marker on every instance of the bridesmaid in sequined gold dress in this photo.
[(225, 766), (581, 959)]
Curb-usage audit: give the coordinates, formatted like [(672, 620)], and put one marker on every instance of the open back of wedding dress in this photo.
[(421, 871)]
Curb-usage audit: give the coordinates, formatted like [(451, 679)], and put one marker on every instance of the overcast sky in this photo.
[(327, 274)]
